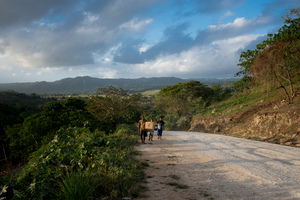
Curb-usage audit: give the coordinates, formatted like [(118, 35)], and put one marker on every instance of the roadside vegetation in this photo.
[(69, 151)]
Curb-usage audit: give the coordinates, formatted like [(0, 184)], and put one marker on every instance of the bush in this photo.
[(77, 154), (183, 123), (125, 129), (41, 128)]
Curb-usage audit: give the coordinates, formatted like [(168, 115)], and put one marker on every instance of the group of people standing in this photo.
[(143, 131)]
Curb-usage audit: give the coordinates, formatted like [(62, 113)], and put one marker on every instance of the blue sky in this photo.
[(52, 39)]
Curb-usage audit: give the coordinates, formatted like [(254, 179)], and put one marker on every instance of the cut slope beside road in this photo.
[(192, 165)]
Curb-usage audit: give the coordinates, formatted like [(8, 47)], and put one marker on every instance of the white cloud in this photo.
[(6, 63), (138, 26), (232, 45), (107, 73), (145, 47), (106, 60), (237, 23), (216, 60)]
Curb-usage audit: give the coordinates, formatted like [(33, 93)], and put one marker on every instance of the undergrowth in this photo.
[(80, 164)]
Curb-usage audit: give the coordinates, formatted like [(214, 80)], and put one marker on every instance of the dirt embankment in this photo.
[(271, 121)]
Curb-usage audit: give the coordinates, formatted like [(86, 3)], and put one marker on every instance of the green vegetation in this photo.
[(275, 62), (63, 143), (177, 185), (78, 185), (180, 102), (41, 127), (173, 176), (79, 162), (114, 105)]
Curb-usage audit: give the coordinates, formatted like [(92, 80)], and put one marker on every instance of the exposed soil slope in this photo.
[(274, 121)]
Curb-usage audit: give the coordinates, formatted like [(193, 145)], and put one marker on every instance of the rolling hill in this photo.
[(89, 85)]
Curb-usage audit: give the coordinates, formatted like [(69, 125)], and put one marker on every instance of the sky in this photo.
[(53, 39)]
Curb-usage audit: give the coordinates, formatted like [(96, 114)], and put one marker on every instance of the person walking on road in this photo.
[(160, 124), (142, 129), (151, 133)]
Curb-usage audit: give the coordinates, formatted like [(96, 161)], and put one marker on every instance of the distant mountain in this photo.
[(89, 85)]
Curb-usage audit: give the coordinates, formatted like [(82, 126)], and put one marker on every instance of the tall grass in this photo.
[(77, 185)]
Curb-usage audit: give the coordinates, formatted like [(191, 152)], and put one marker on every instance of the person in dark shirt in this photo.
[(142, 129), (160, 124)]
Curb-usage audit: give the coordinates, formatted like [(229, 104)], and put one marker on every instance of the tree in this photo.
[(9, 115), (112, 104), (220, 93), (177, 98), (41, 128), (246, 60), (241, 84), (279, 59)]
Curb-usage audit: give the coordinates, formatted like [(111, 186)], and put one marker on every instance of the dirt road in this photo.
[(191, 165)]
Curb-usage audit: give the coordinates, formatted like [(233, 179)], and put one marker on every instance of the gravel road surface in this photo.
[(193, 165)]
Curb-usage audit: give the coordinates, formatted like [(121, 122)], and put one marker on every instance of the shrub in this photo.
[(183, 123), (75, 155)]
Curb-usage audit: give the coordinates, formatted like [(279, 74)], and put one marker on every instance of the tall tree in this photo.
[(111, 104), (279, 59), (177, 98)]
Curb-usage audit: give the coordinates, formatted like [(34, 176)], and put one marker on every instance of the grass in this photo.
[(150, 92), (171, 157), (177, 185), (77, 185), (204, 193), (173, 176), (145, 164), (136, 152), (171, 164), (137, 191), (239, 102)]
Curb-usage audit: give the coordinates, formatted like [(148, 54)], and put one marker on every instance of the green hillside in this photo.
[(88, 85)]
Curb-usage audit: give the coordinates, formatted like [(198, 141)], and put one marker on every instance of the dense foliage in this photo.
[(14, 109), (101, 164), (114, 106), (181, 101), (177, 98), (41, 127)]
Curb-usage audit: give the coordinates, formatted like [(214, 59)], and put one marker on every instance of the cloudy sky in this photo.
[(47, 40)]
